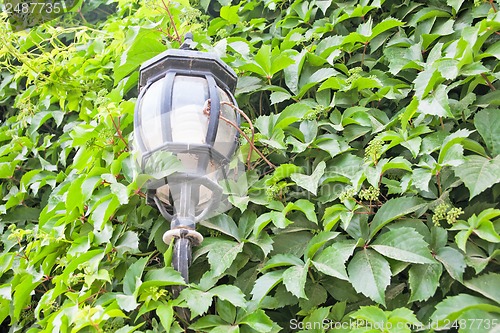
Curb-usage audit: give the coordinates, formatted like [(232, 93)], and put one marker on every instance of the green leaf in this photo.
[(484, 285), (425, 83), (132, 279), (224, 224), (331, 261), (231, 294), (230, 14), (404, 244), (166, 314), (487, 122), (453, 307), (129, 242), (451, 141), (222, 254), (318, 241), (384, 25), (265, 283), (198, 301), (371, 314), (453, 260), (146, 44), (292, 114), (282, 259), (305, 206), (455, 4), (393, 209), (424, 288), (7, 169), (370, 274), (283, 171), (161, 277), (478, 173), (126, 302), (436, 103), (311, 182), (259, 321), (294, 279)]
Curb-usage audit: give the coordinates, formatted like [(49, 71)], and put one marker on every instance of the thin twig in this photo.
[(172, 21), (493, 6), (206, 110), (488, 82), (249, 157), (119, 132)]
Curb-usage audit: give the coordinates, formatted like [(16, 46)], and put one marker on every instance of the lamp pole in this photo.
[(182, 95)]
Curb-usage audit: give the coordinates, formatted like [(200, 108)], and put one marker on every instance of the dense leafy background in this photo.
[(381, 118)]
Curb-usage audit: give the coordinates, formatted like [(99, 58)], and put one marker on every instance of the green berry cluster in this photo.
[(369, 194), (354, 74), (453, 214), (311, 115), (248, 133), (272, 192), (348, 193), (444, 212), (374, 150)]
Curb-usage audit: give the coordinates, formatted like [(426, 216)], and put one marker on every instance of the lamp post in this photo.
[(185, 111)]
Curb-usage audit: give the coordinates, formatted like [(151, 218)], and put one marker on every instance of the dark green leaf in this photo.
[(404, 244), (370, 274)]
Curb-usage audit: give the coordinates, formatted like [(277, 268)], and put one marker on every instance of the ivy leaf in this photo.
[(305, 206), (166, 314), (230, 14), (487, 122), (426, 81), (265, 283), (224, 224), (311, 182), (161, 277), (126, 302), (483, 284), (424, 288), (453, 260), (282, 259), (455, 4), (294, 279), (222, 254), (393, 209), (129, 242), (259, 321), (318, 241), (132, 279), (404, 244), (478, 173), (198, 301), (332, 260), (453, 307), (231, 294), (146, 44), (370, 274), (436, 103)]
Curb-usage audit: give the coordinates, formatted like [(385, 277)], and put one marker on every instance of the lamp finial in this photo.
[(188, 42)]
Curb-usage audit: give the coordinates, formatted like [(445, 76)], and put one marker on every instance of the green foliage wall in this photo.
[(380, 211)]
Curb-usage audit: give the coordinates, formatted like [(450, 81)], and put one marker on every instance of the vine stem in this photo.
[(493, 6), (119, 131), (206, 110), (178, 37), (243, 114), (488, 82)]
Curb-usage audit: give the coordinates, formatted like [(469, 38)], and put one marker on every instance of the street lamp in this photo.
[(185, 121)]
